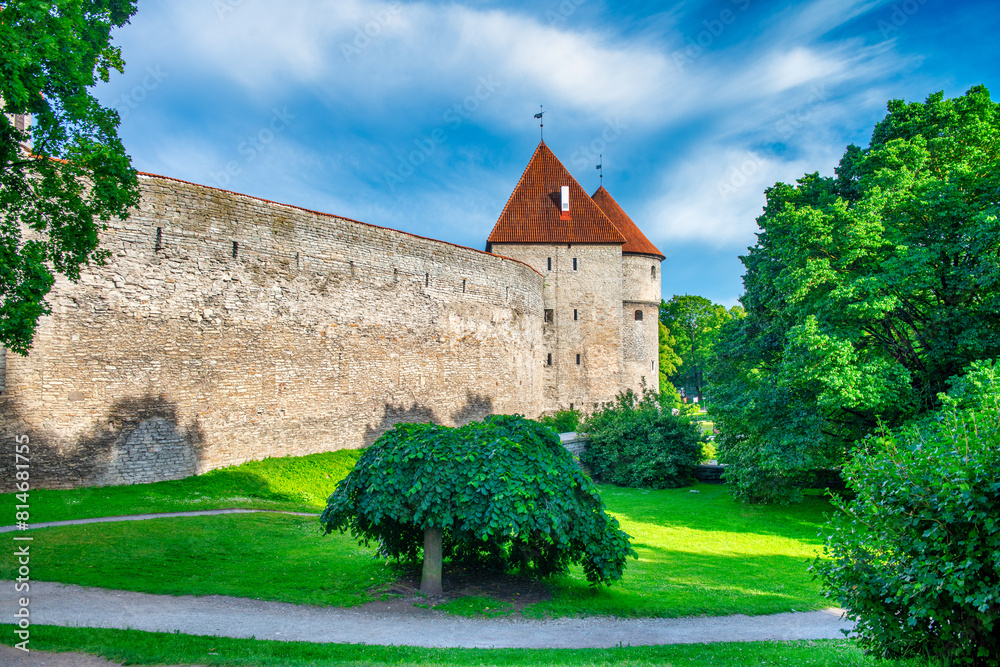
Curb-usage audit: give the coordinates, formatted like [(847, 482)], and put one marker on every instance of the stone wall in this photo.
[(640, 337), (593, 290), (227, 328)]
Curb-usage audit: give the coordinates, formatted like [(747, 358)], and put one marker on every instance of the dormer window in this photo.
[(564, 198)]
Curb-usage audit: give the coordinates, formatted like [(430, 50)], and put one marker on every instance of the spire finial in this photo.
[(541, 122), (600, 168)]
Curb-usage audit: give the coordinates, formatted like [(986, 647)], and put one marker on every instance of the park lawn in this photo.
[(266, 556), (699, 554), (703, 554), (155, 648), (300, 483)]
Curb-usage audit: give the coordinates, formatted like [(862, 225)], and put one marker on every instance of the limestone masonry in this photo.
[(226, 328)]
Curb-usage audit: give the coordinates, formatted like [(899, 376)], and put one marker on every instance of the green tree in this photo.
[(865, 292), (502, 491), (915, 554), (76, 175), (695, 322), (639, 442), (669, 361)]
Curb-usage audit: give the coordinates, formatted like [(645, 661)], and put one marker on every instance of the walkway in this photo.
[(396, 622)]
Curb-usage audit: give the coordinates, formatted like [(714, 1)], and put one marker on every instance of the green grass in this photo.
[(289, 483), (699, 554), (703, 554), (266, 556), (149, 648)]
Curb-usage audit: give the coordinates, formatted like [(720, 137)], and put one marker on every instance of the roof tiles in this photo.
[(635, 241), (532, 214)]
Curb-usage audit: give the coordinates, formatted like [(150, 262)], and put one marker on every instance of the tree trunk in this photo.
[(430, 581)]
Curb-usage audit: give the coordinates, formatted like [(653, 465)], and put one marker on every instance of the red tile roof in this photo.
[(532, 214), (635, 241)]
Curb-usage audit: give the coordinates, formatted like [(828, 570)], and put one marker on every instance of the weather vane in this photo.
[(600, 168), (541, 122)]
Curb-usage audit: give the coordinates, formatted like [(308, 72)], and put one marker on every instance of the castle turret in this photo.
[(592, 350), (640, 298)]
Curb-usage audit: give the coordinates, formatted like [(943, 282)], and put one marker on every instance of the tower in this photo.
[(601, 291)]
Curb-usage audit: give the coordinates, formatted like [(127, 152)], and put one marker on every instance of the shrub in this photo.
[(502, 491), (915, 557), (641, 443), (563, 421)]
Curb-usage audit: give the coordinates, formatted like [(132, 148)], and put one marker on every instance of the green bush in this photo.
[(639, 442), (915, 557), (563, 421), (504, 491)]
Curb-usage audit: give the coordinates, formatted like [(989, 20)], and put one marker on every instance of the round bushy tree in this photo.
[(503, 489), (915, 556), (640, 442)]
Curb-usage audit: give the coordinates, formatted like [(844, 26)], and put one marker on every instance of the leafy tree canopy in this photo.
[(694, 322), (915, 555), (76, 175), (669, 361), (503, 490), (865, 292)]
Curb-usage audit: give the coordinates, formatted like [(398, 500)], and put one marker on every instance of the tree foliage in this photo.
[(503, 490), (865, 292), (641, 443), (669, 361), (915, 556), (77, 175), (694, 322)]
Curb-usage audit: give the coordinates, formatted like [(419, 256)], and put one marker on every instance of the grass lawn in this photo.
[(149, 648), (703, 554), (289, 483), (699, 554), (266, 556)]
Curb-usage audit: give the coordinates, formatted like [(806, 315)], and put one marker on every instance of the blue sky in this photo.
[(418, 115)]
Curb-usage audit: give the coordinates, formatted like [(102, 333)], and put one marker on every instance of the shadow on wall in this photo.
[(476, 406), (139, 441)]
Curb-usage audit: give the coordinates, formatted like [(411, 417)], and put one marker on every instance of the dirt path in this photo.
[(396, 622)]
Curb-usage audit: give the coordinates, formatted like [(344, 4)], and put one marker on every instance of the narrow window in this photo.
[(298, 262), (548, 360), (236, 249), (578, 360), (427, 280), (395, 275), (638, 316), (549, 315), (550, 263), (651, 365), (576, 314), (574, 263), (463, 286), (571, 407), (159, 239), (652, 272)]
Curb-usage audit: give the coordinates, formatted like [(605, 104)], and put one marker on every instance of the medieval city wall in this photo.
[(226, 328)]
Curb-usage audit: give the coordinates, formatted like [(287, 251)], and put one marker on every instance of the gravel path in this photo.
[(397, 622)]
